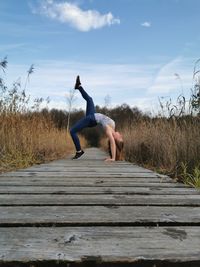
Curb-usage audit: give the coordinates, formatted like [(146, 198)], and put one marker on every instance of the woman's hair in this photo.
[(119, 150)]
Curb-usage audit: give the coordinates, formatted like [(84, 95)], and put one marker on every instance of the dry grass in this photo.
[(164, 145), (27, 136), (27, 139), (168, 146)]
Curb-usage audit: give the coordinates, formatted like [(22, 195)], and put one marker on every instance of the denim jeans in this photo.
[(87, 121)]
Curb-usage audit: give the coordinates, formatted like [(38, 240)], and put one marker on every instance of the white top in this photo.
[(104, 120)]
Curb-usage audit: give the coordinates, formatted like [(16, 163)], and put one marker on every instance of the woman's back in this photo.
[(104, 120)]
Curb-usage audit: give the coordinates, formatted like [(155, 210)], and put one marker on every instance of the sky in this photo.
[(127, 51)]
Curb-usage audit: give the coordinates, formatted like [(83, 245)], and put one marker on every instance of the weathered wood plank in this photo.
[(75, 169), (98, 164), (101, 244), (99, 200), (99, 215), (82, 174), (96, 190), (90, 162), (96, 184), (122, 182), (80, 181)]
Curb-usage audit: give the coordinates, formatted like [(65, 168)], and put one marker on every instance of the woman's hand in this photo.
[(109, 160)]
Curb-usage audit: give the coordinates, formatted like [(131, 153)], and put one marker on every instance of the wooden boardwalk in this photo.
[(91, 213)]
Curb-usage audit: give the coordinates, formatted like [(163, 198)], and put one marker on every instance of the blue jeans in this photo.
[(87, 121)]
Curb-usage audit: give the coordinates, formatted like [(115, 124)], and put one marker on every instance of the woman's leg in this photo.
[(90, 108), (83, 123)]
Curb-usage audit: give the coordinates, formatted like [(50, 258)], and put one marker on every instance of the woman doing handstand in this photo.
[(92, 119)]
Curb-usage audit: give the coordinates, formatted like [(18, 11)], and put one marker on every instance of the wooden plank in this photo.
[(91, 161), (101, 245), (99, 200), (90, 164), (79, 163), (99, 215), (75, 169), (90, 182), (80, 181), (96, 190), (81, 174), (95, 184)]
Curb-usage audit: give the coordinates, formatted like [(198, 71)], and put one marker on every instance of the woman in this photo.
[(92, 119)]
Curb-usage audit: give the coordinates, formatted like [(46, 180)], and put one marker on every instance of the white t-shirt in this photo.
[(104, 120)]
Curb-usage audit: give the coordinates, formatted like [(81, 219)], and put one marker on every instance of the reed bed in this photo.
[(27, 139), (27, 136), (170, 146)]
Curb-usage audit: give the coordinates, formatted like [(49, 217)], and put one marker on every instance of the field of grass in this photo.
[(167, 146), (27, 136), (170, 146), (27, 139)]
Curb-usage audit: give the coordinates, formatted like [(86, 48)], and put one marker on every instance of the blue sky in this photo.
[(127, 49)]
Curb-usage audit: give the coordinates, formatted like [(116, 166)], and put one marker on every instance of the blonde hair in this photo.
[(119, 150)]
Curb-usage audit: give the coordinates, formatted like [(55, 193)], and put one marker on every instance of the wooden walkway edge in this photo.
[(91, 213)]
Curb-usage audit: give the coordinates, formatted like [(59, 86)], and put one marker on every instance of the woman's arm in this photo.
[(112, 143)]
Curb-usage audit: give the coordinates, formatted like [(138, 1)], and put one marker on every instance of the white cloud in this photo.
[(72, 14), (146, 24)]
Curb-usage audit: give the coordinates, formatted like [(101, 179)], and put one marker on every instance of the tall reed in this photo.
[(27, 136), (27, 139), (164, 144)]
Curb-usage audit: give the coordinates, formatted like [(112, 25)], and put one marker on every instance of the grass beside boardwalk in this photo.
[(169, 146), (27, 139), (27, 136)]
